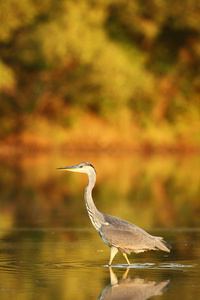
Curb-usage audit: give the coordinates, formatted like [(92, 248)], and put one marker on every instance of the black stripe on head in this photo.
[(89, 164)]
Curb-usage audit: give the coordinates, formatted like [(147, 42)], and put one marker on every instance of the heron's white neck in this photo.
[(94, 214)]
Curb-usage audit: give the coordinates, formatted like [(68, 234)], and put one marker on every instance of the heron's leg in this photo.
[(126, 258), (113, 252)]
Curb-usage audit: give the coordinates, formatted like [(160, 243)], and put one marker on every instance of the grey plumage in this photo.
[(130, 238), (118, 234)]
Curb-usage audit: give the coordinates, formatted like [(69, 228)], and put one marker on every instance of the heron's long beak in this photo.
[(72, 169)]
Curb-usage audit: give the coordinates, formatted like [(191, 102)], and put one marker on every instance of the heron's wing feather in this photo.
[(128, 237), (126, 240), (122, 224)]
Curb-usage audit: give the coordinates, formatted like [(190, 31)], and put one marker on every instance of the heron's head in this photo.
[(83, 167)]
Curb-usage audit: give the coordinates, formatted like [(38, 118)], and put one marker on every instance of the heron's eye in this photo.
[(80, 166)]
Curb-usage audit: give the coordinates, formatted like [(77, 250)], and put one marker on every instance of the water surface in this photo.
[(67, 264), (50, 250)]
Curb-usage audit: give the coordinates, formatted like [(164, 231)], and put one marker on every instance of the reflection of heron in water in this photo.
[(118, 234), (135, 289)]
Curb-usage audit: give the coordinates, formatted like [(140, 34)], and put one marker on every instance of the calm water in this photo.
[(49, 249), (65, 264)]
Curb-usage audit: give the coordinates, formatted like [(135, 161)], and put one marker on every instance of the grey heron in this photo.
[(118, 234)]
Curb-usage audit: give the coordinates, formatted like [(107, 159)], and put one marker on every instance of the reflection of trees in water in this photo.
[(150, 192), (137, 288)]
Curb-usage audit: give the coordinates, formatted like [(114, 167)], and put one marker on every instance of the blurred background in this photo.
[(115, 83), (99, 75)]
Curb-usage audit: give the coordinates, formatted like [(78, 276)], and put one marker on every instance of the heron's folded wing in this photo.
[(130, 240)]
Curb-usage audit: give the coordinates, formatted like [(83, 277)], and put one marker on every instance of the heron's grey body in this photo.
[(118, 234)]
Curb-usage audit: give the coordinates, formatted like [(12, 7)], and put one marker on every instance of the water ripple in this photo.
[(154, 266)]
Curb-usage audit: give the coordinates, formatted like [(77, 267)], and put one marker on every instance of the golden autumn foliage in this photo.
[(134, 66)]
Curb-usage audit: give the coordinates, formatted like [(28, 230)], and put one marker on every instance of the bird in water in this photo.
[(118, 234)]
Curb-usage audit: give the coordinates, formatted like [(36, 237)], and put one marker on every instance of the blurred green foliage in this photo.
[(140, 60)]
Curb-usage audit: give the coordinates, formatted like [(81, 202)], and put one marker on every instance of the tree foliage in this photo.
[(109, 57)]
